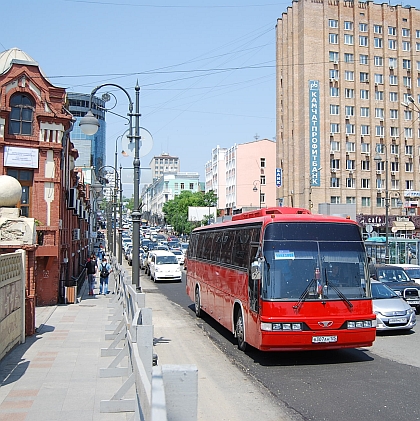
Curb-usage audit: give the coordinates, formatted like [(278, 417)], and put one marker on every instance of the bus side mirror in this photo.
[(256, 270)]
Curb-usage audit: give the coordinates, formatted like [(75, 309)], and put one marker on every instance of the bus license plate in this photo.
[(323, 339), (398, 320)]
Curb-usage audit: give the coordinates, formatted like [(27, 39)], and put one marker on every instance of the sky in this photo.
[(206, 69)]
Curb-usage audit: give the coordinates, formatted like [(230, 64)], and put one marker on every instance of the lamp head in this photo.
[(255, 188), (411, 99), (89, 124)]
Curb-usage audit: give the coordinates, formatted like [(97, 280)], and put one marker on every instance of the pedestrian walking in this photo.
[(91, 268), (105, 270)]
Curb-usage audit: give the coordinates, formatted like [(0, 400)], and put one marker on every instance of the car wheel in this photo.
[(239, 331), (197, 302)]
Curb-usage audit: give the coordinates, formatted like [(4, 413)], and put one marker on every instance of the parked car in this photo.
[(398, 280), (392, 312), (164, 266), (413, 271), (179, 255)]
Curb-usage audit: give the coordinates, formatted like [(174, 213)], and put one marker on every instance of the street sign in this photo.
[(279, 177)]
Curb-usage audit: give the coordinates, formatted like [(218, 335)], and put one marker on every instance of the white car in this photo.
[(392, 312), (164, 266), (179, 255)]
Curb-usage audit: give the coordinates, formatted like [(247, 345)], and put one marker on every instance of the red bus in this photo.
[(284, 279)]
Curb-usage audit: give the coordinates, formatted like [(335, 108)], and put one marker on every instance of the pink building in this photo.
[(248, 174)]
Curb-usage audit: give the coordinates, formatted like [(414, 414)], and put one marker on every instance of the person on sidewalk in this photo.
[(91, 267), (105, 270)]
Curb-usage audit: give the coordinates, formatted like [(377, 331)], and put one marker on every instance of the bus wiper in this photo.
[(338, 292), (304, 294)]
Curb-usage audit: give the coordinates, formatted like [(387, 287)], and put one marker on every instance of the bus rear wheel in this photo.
[(239, 331), (197, 303)]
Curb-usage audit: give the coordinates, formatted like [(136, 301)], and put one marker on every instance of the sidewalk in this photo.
[(55, 374)]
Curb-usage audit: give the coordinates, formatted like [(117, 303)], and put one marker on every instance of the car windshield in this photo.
[(304, 268), (166, 260), (392, 275), (413, 273), (381, 291)]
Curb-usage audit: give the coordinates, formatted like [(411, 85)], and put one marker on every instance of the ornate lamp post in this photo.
[(89, 125), (255, 189)]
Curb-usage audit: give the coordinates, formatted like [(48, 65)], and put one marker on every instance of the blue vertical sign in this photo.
[(279, 177), (314, 134)]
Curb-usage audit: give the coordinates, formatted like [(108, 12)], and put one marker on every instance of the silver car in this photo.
[(392, 312)]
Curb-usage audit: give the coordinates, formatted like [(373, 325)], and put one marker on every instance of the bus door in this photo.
[(254, 280)]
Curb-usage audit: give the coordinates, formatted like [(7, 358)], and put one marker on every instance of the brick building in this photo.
[(35, 148), (348, 91)]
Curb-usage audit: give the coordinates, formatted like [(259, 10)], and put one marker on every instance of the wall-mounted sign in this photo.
[(20, 157), (314, 134), (279, 177)]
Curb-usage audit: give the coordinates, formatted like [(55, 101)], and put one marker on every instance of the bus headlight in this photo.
[(361, 324), (281, 327)]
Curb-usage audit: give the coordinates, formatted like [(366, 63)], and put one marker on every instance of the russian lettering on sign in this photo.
[(314, 135)]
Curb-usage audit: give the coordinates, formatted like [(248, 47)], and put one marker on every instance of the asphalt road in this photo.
[(378, 383)]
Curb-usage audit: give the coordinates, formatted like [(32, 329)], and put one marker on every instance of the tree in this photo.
[(176, 210)]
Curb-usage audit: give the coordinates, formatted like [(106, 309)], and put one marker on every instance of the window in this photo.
[(379, 95), (335, 164), (348, 26), (182, 186), (377, 29), (350, 199), (348, 39), (351, 183), (377, 42), (348, 58), (334, 182), (365, 201), (405, 32), (333, 38), (333, 55), (350, 128), (393, 96), (350, 147), (393, 114), (363, 41), (334, 74), (393, 80), (408, 167), (417, 46), (409, 184), (408, 132), (379, 112), (363, 59), (335, 199), (334, 109), (365, 165), (394, 132), (191, 186), (364, 130), (406, 45), (334, 128), (333, 23), (392, 30), (334, 91), (392, 62), (364, 77), (364, 183), (379, 131), (21, 114), (392, 44), (364, 94), (364, 111), (349, 110), (407, 81), (380, 184), (349, 93), (394, 149), (406, 64), (408, 115), (262, 162), (395, 166), (25, 178), (380, 201), (378, 61), (365, 147), (379, 79), (380, 148), (417, 33), (363, 27), (349, 75), (334, 146), (350, 164), (262, 180)]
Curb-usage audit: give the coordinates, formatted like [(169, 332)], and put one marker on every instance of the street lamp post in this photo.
[(255, 188), (89, 125), (379, 159)]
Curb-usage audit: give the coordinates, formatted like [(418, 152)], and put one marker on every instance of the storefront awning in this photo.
[(403, 225)]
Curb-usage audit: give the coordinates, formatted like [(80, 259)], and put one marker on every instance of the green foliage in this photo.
[(176, 210)]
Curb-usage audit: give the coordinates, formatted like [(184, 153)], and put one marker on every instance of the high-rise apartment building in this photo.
[(348, 95), (164, 163), (91, 148)]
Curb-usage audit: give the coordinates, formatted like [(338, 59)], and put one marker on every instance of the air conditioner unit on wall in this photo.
[(76, 234)]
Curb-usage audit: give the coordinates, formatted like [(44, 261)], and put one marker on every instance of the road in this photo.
[(378, 383)]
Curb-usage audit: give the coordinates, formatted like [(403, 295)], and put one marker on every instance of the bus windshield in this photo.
[(314, 267)]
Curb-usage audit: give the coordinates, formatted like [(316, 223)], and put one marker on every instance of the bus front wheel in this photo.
[(197, 302), (239, 331)]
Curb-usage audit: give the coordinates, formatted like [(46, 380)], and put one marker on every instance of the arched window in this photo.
[(21, 115)]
